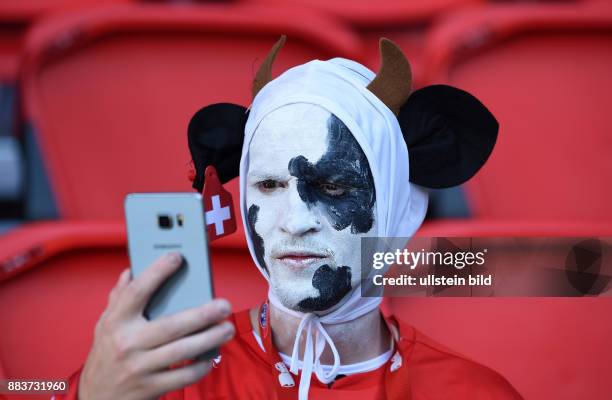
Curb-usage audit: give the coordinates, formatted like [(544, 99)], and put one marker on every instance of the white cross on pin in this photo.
[(217, 215)]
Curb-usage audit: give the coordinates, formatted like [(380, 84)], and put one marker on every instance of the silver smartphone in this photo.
[(159, 223)]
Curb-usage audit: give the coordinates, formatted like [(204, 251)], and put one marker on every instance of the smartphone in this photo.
[(159, 223)]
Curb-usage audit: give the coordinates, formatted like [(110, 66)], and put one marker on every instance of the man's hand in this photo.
[(130, 355)]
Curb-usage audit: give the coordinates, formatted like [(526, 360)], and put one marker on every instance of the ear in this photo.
[(215, 137), (449, 134)]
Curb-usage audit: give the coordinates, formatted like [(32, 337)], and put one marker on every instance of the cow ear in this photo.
[(449, 133), (215, 135)]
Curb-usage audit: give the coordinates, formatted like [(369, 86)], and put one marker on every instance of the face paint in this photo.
[(345, 166), (310, 196), (257, 240), (332, 284)]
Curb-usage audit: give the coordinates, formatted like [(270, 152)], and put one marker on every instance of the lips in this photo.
[(300, 259)]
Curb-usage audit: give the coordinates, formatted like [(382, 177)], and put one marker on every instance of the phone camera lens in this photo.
[(180, 219), (164, 221)]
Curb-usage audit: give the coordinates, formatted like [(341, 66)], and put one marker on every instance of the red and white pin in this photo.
[(218, 206)]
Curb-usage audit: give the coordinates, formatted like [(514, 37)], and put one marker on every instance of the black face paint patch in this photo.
[(258, 242), (344, 164), (333, 285)]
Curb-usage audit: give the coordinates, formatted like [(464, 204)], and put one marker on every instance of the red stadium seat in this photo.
[(10, 46), (110, 92), (56, 278), (17, 15), (95, 83), (54, 284), (548, 348), (27, 10), (544, 73), (404, 22), (366, 14)]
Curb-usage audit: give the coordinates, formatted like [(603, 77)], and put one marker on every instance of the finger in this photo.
[(178, 378), (167, 329), (188, 347), (124, 279), (136, 295)]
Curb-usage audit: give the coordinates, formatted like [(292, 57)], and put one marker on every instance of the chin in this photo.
[(308, 303), (296, 306), (296, 289), (321, 309), (291, 295)]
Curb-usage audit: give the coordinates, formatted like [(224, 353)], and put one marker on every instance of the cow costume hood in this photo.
[(436, 137)]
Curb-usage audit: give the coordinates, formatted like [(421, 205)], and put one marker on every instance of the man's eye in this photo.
[(332, 189), (268, 185)]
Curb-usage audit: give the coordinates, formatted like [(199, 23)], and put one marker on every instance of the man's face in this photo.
[(310, 197)]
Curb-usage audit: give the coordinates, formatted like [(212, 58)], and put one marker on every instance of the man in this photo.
[(324, 156)]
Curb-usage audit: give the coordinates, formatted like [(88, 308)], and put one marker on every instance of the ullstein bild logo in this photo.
[(533, 266)]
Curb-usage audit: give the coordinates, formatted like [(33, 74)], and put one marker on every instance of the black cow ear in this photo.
[(215, 135), (449, 134)]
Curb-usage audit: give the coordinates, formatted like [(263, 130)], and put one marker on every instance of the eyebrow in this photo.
[(260, 175), (350, 179)]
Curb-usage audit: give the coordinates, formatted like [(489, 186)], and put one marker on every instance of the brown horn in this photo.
[(264, 74), (393, 83)]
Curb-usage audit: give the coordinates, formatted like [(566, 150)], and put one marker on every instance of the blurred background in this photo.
[(95, 97)]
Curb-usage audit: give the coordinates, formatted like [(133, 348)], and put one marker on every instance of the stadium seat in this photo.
[(54, 284), (16, 16), (404, 22), (543, 70), (56, 278), (10, 45), (110, 92), (365, 14), (548, 348), (103, 87)]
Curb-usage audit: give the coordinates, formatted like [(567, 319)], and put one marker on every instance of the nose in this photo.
[(299, 219)]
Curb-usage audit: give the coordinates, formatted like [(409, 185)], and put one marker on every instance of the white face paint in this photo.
[(310, 198)]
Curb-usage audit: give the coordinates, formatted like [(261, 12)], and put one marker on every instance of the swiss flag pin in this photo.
[(218, 206)]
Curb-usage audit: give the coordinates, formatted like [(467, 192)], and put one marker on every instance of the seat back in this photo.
[(544, 73), (110, 92), (17, 15), (548, 348), (365, 14), (56, 282)]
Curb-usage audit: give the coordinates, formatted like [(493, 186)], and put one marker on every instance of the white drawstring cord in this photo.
[(310, 324), (312, 355)]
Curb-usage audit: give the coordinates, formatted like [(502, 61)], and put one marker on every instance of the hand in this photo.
[(130, 355)]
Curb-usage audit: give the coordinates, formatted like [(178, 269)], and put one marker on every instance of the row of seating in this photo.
[(124, 81), (107, 94), (55, 279), (16, 16)]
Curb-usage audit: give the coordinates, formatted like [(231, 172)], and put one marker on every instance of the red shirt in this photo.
[(426, 371)]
